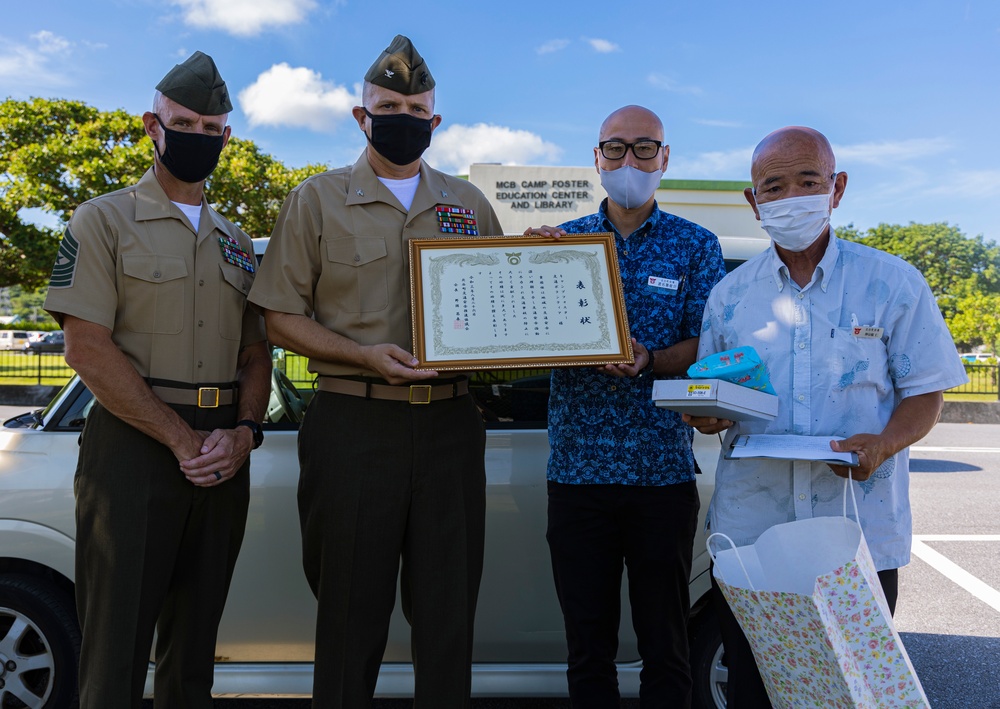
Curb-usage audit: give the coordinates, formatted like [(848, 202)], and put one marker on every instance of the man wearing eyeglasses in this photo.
[(621, 474)]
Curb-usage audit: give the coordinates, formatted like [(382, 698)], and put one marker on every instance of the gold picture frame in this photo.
[(512, 302)]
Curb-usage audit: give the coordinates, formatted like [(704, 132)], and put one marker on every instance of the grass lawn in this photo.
[(970, 397), (19, 369)]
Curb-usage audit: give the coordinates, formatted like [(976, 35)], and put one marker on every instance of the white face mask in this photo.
[(629, 186), (795, 223)]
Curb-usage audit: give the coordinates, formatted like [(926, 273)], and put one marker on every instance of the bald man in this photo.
[(856, 347), (621, 475)]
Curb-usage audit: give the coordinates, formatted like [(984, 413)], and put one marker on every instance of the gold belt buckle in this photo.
[(212, 394), (426, 388)]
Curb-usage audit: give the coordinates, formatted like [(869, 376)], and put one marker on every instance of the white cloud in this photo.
[(667, 84), (888, 152), (32, 65), (244, 17), (967, 184), (456, 147), (297, 97), (716, 165), (49, 43), (604, 46), (553, 45)]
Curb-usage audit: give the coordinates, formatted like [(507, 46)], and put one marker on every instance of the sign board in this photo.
[(530, 196)]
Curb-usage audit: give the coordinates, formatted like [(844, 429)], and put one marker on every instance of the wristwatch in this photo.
[(258, 432)]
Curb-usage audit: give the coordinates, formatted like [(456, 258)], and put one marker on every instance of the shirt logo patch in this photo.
[(456, 220), (64, 270), (234, 253)]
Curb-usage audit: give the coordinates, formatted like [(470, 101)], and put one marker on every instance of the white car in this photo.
[(265, 644)]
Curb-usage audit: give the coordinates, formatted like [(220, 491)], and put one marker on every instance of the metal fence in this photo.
[(982, 380), (17, 367)]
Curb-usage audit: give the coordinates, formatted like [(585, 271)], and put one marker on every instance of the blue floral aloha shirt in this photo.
[(604, 429)]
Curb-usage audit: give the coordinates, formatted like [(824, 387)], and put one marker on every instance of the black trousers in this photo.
[(380, 481), (745, 688), (594, 531), (152, 551)]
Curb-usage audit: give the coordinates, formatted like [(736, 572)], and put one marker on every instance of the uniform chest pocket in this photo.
[(154, 293), (356, 275), (232, 300)]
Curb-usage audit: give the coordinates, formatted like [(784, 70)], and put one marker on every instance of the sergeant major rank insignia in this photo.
[(65, 267), (456, 220), (235, 254)]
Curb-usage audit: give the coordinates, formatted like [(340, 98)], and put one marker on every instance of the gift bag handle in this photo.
[(854, 500), (708, 546)]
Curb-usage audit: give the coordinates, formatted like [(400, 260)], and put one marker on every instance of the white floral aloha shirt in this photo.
[(830, 382)]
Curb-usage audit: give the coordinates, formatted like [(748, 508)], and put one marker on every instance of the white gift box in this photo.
[(714, 397)]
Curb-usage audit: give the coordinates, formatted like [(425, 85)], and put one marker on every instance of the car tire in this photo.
[(38, 625), (708, 669)]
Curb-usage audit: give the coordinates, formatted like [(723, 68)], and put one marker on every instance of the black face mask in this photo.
[(400, 138), (190, 157)]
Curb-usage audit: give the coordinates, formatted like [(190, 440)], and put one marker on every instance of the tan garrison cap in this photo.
[(401, 69), (195, 83)]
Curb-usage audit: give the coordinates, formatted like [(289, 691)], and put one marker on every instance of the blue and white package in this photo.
[(740, 366)]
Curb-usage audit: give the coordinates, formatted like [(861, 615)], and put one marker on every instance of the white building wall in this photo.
[(529, 196)]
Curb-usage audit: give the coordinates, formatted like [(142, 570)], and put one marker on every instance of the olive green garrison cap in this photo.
[(401, 68), (195, 84)]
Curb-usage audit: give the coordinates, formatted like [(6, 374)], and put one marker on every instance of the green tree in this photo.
[(53, 156), (28, 305), (977, 321), (249, 186), (955, 265), (56, 154)]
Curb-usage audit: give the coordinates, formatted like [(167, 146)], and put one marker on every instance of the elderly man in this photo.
[(855, 346), (621, 474), (150, 287), (391, 456)]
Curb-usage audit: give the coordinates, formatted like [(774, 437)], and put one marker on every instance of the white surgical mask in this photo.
[(629, 186), (795, 223)]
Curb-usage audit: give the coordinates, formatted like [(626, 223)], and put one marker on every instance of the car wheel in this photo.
[(39, 645), (708, 668)]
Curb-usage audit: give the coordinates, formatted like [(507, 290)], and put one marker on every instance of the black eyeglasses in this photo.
[(642, 149)]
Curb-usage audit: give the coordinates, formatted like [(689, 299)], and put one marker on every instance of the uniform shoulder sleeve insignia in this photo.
[(64, 270)]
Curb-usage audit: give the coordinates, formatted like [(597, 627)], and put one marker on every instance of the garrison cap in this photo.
[(195, 84), (401, 69)]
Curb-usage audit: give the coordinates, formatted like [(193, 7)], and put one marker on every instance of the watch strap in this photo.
[(255, 429)]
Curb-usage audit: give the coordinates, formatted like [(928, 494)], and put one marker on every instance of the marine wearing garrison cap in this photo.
[(336, 274), (150, 289), (196, 83), (401, 68)]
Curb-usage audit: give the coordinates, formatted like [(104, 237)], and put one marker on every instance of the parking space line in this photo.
[(952, 571)]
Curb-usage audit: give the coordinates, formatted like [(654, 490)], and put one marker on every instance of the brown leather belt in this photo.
[(413, 394), (203, 397)]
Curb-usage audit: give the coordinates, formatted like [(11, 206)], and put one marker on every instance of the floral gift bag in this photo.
[(809, 601)]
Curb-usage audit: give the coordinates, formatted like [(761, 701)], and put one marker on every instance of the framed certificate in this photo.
[(509, 302)]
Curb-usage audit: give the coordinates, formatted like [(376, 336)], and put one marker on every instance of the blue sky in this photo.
[(907, 91)]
